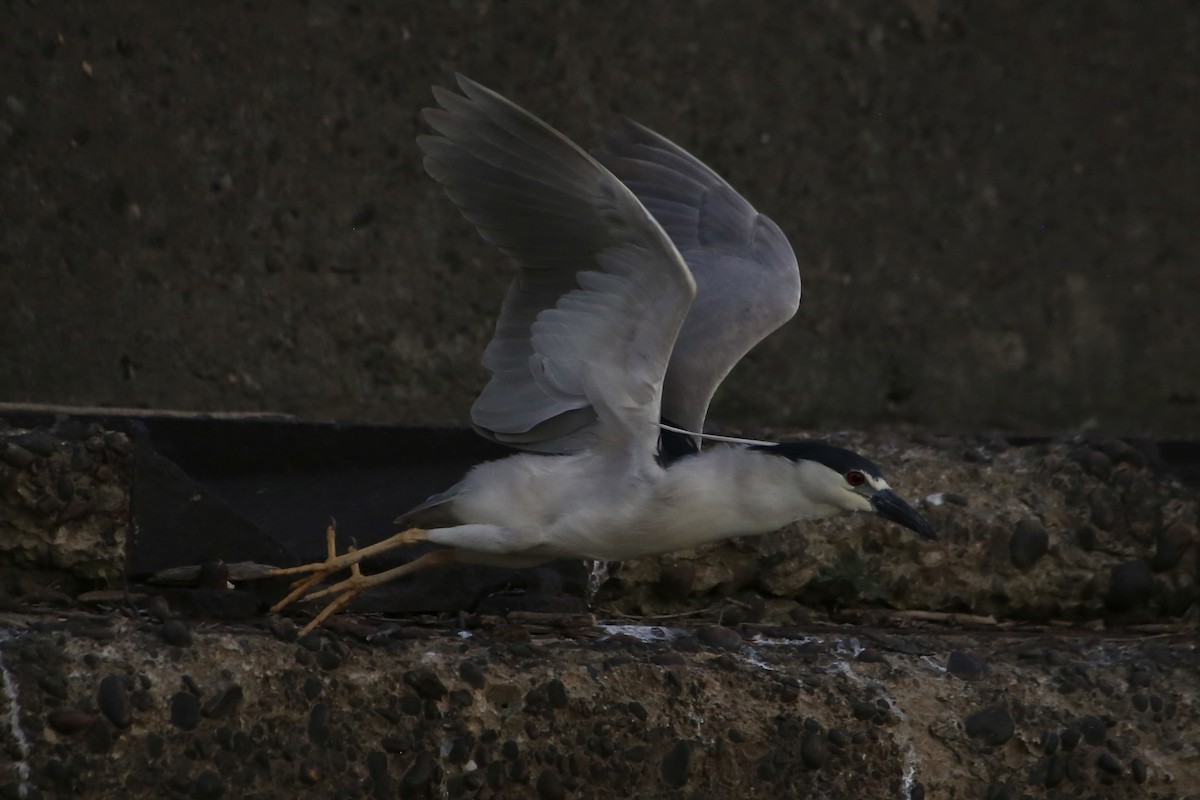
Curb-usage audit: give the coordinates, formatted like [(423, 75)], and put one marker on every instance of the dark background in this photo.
[(220, 206)]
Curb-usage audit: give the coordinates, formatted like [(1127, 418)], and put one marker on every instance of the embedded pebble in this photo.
[(720, 637), (1093, 729), (639, 753), (328, 659), (208, 786), (64, 487), (185, 710), (470, 672), (419, 777), (38, 442), (1028, 543), (377, 769), (1095, 463), (677, 764), (1087, 537), (550, 786), (310, 642), (223, 703), (309, 774), (557, 694), (283, 629), (318, 724), (426, 683), (1104, 509), (993, 725), (813, 751), (411, 704), (1070, 738), (1137, 769), (1049, 742), (118, 443), (1170, 546), (53, 685), (1130, 586), (686, 644), (1056, 770), (176, 633), (16, 456), (1109, 764), (113, 700), (395, 744), (962, 664), (68, 721), (676, 579), (871, 655), (1121, 452), (98, 737)]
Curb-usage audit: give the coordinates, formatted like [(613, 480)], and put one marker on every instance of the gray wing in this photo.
[(747, 279), (586, 331)]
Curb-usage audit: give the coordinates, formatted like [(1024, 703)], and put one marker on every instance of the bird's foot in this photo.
[(343, 593), (320, 570)]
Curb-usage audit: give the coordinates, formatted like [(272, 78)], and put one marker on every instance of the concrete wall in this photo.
[(221, 207)]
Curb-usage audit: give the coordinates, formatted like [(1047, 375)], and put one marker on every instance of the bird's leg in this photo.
[(357, 583), (333, 562)]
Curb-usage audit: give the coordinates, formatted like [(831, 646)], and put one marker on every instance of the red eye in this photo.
[(855, 478)]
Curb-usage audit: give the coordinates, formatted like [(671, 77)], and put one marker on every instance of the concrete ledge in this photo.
[(117, 706)]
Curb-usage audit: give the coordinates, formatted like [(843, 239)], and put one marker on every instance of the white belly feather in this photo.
[(592, 506)]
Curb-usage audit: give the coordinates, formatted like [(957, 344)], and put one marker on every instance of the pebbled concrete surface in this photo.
[(222, 208), (104, 706), (1044, 646)]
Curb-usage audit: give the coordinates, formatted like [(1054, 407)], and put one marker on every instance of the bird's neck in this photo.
[(732, 491)]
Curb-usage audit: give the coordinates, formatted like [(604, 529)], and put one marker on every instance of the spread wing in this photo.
[(586, 331), (747, 279)]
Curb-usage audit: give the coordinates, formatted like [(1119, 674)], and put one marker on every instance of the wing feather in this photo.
[(586, 330), (747, 278)]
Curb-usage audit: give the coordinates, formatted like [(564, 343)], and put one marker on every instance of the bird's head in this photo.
[(845, 481)]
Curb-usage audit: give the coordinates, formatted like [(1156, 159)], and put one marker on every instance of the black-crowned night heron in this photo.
[(643, 278)]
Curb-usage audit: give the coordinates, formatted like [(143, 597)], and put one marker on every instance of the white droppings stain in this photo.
[(936, 666), (774, 642), (936, 499), (849, 647), (465, 634), (853, 648), (644, 633), (597, 576), (910, 769), (9, 687), (750, 656)]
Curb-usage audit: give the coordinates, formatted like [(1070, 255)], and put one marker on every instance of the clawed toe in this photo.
[(344, 592)]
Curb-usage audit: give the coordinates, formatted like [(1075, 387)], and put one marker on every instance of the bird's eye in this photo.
[(855, 478)]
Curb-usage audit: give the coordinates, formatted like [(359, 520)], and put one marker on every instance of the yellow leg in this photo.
[(357, 583), (333, 562)]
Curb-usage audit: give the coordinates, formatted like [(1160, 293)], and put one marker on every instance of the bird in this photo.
[(642, 279)]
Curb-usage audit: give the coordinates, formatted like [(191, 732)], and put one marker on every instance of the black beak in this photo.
[(888, 504)]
